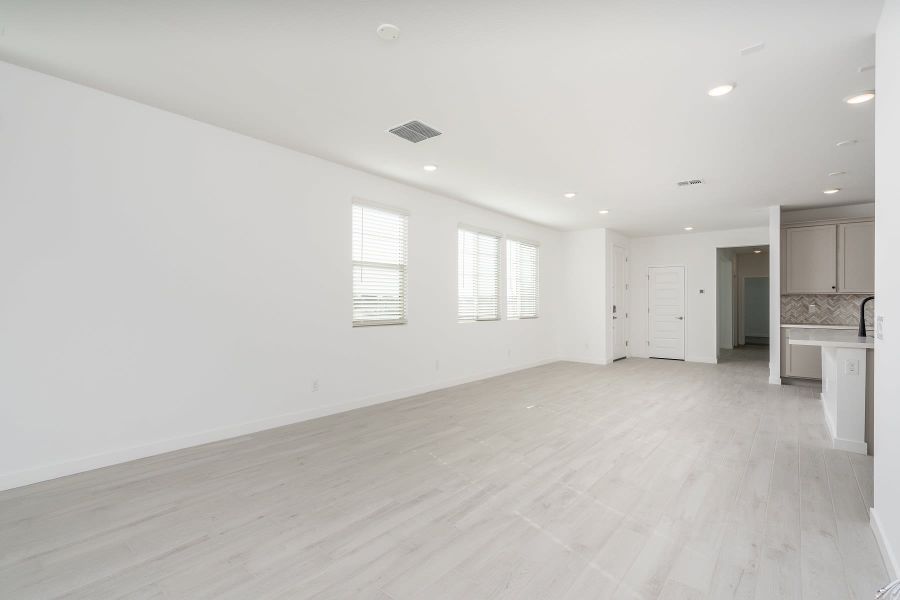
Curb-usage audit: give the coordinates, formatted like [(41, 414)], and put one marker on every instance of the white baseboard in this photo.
[(839, 443), (710, 360), (832, 430), (120, 455), (584, 361), (887, 552), (849, 445)]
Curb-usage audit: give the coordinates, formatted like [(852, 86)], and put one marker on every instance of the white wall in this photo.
[(886, 514), (696, 251), (167, 283), (584, 327), (725, 297), (775, 295)]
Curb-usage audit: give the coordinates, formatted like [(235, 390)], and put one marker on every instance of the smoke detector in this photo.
[(388, 32)]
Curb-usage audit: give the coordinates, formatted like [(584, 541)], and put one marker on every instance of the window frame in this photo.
[(500, 278), (537, 276), (402, 268)]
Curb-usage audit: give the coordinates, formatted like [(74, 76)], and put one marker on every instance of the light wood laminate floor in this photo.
[(643, 479)]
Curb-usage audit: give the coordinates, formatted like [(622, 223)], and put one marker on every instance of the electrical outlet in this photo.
[(851, 367), (315, 385)]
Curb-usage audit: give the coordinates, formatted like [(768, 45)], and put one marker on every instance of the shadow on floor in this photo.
[(744, 354)]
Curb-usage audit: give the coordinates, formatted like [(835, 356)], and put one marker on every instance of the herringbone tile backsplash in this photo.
[(825, 309)]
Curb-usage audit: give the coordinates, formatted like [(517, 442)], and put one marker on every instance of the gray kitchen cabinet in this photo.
[(800, 361), (811, 256), (856, 254)]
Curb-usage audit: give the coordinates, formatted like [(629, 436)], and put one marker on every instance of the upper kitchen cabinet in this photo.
[(830, 258), (856, 253), (810, 259)]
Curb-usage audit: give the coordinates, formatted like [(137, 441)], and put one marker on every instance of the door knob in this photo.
[(680, 318)]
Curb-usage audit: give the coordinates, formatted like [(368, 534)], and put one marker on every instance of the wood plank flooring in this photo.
[(644, 479)]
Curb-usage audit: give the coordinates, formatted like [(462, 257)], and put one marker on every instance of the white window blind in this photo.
[(379, 265), (521, 280), (479, 276)]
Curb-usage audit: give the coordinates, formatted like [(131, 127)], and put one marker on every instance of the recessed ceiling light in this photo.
[(837, 173), (569, 194), (832, 191), (860, 97), (689, 228), (430, 168), (757, 252), (721, 90), (846, 143), (388, 32), (603, 212)]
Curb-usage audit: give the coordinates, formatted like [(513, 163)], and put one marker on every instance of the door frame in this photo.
[(622, 309), (684, 344)]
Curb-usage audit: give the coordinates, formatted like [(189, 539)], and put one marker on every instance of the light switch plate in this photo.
[(879, 327)]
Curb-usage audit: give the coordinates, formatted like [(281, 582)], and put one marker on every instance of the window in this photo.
[(521, 280), (379, 265), (479, 276)]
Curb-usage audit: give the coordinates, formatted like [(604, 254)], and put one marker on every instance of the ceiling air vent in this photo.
[(415, 131), (687, 182)]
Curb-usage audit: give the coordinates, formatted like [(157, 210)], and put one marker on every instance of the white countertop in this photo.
[(814, 326), (835, 338)]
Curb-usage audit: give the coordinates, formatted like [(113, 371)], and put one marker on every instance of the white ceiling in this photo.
[(604, 98)]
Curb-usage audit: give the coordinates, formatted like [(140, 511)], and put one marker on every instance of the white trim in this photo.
[(373, 323), (850, 446), (835, 221), (711, 360), (122, 455), (480, 230), (586, 361), (523, 240), (887, 553), (839, 443), (379, 206), (610, 302), (832, 430)]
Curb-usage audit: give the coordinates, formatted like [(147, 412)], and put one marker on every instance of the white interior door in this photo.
[(619, 311), (666, 312)]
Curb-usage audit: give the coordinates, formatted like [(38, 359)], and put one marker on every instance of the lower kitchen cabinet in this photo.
[(800, 361)]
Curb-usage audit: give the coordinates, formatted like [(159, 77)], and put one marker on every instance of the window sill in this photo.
[(377, 323), (466, 321)]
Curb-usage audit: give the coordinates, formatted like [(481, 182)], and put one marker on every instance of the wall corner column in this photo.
[(775, 295)]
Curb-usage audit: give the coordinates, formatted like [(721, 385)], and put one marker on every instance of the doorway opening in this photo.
[(742, 303)]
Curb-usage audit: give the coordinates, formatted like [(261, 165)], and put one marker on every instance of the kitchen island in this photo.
[(843, 383)]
